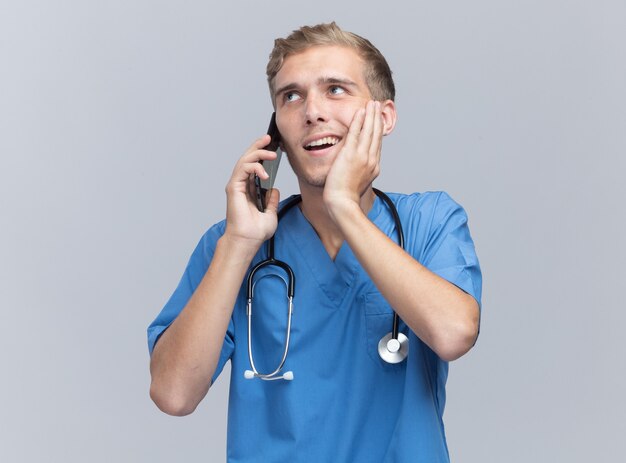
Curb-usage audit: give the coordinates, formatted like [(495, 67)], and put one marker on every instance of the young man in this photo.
[(334, 101)]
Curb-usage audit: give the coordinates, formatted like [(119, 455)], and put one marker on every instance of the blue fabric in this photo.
[(345, 403)]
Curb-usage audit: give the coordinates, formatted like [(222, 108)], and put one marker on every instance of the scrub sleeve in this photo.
[(196, 268)]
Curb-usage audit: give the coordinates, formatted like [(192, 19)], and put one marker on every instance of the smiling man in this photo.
[(344, 394)]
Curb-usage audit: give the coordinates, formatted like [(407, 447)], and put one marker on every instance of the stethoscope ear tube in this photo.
[(291, 278)]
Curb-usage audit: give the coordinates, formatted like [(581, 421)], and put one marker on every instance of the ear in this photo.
[(388, 109)]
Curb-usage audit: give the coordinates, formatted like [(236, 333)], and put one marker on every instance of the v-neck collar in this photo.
[(335, 278)]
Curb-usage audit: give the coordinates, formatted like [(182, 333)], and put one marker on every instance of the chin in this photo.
[(315, 181), (312, 179)]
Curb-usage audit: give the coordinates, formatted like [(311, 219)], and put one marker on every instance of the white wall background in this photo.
[(120, 122)]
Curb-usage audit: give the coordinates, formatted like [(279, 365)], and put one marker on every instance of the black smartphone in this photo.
[(271, 167)]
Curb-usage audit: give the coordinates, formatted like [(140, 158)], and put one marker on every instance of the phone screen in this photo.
[(271, 167)]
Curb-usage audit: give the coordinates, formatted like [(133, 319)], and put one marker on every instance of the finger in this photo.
[(254, 168), (377, 133), (255, 151), (355, 128), (250, 164), (259, 143), (258, 155), (365, 137), (242, 174)]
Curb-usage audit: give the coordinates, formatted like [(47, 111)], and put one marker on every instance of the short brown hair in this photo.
[(377, 71)]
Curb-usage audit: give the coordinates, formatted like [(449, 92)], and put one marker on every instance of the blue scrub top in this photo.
[(345, 404)]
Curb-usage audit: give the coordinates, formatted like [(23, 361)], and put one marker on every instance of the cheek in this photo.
[(346, 114), (284, 130), (281, 120), (286, 141)]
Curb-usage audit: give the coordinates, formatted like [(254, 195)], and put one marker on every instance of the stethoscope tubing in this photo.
[(400, 233), (291, 283)]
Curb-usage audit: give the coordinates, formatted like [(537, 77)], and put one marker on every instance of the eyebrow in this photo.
[(321, 81), (336, 81)]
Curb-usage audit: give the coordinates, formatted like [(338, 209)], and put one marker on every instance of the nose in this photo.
[(315, 110)]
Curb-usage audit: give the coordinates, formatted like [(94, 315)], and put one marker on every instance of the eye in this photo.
[(336, 90), (291, 96)]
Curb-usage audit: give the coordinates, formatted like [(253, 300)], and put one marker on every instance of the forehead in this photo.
[(309, 65)]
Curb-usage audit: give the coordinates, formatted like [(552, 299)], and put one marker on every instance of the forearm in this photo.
[(438, 312), (186, 355)]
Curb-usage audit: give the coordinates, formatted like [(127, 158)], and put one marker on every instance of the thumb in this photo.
[(272, 203)]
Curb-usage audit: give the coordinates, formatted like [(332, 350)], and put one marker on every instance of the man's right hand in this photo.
[(187, 354), (245, 224)]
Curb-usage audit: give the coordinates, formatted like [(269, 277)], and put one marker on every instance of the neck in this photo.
[(314, 209)]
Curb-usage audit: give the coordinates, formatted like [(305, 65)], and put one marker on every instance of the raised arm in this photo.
[(439, 313), (186, 355)]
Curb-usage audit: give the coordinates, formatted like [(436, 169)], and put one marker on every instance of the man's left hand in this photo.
[(358, 163)]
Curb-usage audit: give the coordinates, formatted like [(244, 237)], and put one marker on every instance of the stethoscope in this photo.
[(392, 348)]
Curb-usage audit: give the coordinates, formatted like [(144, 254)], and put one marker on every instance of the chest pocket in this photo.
[(378, 322)]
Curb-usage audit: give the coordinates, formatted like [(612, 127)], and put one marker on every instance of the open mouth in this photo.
[(321, 144)]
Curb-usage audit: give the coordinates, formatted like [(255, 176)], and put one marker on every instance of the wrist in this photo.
[(345, 207), (340, 199), (237, 247), (343, 210)]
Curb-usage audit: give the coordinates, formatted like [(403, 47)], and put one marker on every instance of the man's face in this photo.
[(317, 94)]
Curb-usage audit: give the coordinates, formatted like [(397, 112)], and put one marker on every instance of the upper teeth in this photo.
[(324, 141)]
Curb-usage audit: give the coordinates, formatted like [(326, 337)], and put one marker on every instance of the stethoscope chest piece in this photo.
[(393, 350)]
